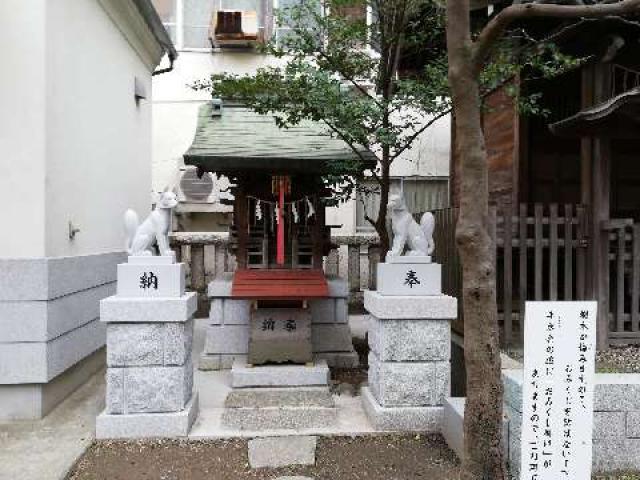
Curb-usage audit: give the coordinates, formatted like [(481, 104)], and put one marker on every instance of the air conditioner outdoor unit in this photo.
[(234, 27), (209, 189)]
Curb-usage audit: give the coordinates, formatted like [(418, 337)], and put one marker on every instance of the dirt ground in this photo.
[(385, 457)]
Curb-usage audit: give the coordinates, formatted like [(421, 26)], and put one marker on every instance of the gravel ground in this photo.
[(618, 476), (622, 359), (384, 457)]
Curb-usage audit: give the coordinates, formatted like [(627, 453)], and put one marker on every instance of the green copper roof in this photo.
[(242, 141)]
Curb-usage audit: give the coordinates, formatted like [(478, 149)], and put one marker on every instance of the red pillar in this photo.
[(280, 237)]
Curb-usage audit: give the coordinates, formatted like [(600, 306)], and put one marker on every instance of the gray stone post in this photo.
[(409, 360), (149, 344)]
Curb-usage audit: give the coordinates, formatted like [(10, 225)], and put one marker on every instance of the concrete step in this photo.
[(245, 376), (296, 408)]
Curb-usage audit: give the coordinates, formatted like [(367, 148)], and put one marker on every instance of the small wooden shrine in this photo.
[(279, 233)]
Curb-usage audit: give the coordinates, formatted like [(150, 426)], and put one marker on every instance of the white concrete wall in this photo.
[(98, 141), (22, 127), (73, 144)]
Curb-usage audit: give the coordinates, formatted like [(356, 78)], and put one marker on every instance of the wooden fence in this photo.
[(540, 255), (624, 281)]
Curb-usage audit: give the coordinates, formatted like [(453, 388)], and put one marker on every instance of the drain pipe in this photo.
[(165, 70), (150, 15)]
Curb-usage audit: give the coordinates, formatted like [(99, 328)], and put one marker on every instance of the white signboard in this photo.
[(558, 385)]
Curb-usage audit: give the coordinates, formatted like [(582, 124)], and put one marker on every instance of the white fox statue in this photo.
[(417, 239), (142, 236)]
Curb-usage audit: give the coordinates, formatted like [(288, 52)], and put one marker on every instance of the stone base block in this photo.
[(409, 307), (410, 340), (243, 376), (279, 408), (228, 311), (160, 280), (148, 389), (43, 321), (149, 344), (453, 425), (331, 338), (148, 310), (35, 400), (339, 359), (210, 362), (40, 362), (402, 419), (227, 340), (411, 279), (395, 384), (141, 425), (329, 310)]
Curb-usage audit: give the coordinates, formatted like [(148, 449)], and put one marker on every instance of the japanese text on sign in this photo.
[(558, 384), (148, 280)]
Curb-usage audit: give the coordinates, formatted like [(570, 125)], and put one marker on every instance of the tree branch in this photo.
[(350, 79), (351, 145), (497, 26), (419, 132)]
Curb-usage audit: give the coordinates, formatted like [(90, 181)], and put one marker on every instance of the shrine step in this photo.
[(279, 408), (245, 376)]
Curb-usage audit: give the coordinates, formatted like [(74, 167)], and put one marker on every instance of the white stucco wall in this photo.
[(22, 127), (98, 140), (74, 146)]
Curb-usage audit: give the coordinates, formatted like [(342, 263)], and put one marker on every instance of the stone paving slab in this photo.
[(277, 418), (278, 452), (280, 397), (279, 375)]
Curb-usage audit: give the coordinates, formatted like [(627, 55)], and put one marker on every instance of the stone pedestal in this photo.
[(409, 360), (149, 343), (227, 334)]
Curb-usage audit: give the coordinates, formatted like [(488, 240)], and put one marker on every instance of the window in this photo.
[(197, 22), (281, 29), (422, 195), (167, 10)]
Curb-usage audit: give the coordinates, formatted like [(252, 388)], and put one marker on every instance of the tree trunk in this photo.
[(483, 455), (381, 221)]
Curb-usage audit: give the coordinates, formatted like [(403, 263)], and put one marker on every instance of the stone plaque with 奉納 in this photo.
[(280, 335)]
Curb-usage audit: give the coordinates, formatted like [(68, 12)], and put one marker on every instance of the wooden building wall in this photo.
[(500, 124)]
